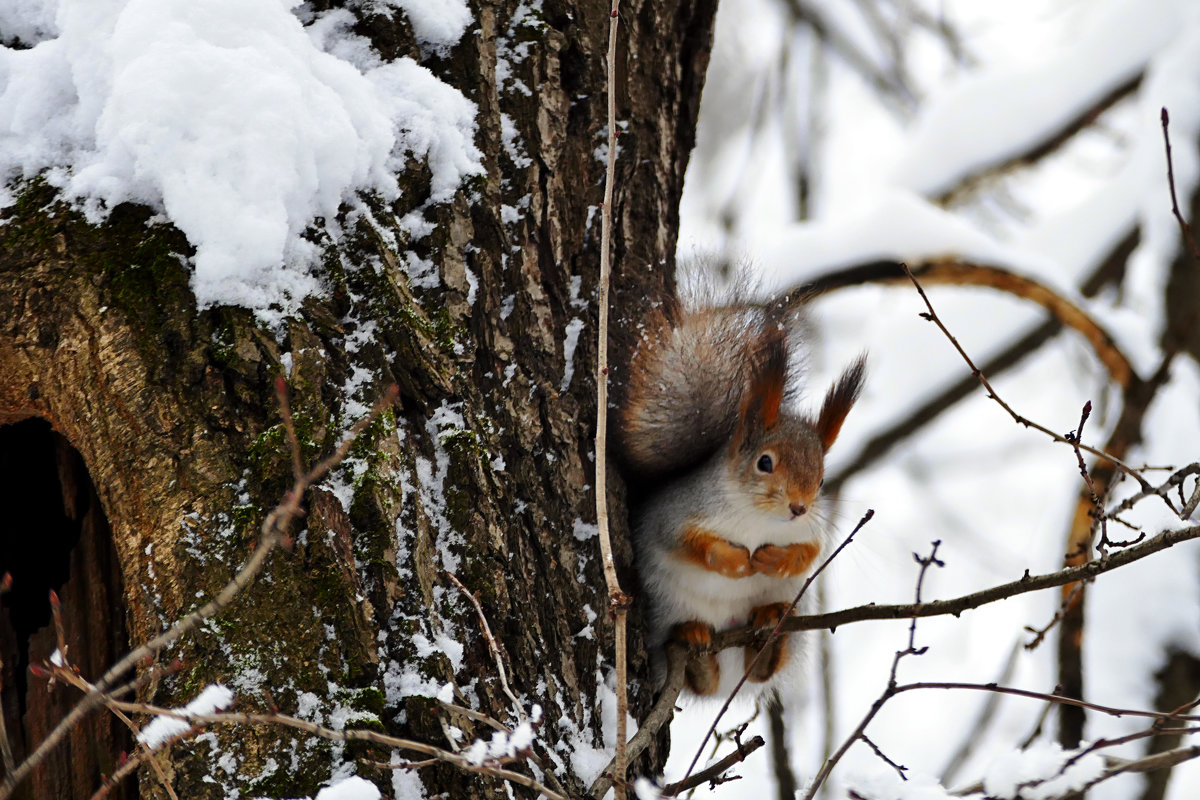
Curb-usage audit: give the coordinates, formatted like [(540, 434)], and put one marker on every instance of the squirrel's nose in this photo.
[(797, 509)]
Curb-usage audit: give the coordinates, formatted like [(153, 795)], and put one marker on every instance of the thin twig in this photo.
[(1039, 634), (6, 752), (1190, 507), (492, 645), (1058, 699), (97, 696), (981, 723), (882, 756), (478, 716), (951, 272), (1184, 227), (285, 411), (1076, 438), (155, 766), (1163, 492), (932, 316), (618, 601), (1005, 359), (828, 690), (494, 648), (62, 669), (890, 691), (352, 735), (1167, 758), (1113, 766), (714, 772), (437, 754)]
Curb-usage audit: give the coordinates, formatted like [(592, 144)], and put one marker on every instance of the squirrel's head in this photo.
[(779, 458)]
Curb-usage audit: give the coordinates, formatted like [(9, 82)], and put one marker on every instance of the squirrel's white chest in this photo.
[(752, 528), (682, 590)]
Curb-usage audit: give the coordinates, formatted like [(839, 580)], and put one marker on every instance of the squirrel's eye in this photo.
[(765, 464)]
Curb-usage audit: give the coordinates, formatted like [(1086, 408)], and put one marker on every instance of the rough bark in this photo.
[(483, 466)]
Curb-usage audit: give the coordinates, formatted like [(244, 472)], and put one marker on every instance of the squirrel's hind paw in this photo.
[(774, 653), (702, 673)]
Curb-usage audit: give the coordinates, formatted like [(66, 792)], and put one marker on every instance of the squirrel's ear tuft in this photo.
[(767, 379), (839, 400)]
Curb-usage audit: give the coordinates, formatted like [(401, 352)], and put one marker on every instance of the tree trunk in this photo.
[(483, 468)]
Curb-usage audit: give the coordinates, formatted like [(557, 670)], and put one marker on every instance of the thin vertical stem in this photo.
[(618, 600)]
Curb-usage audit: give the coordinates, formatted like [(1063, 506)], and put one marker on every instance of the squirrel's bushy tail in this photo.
[(687, 378)]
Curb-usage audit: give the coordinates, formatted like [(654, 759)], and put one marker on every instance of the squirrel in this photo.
[(725, 531)]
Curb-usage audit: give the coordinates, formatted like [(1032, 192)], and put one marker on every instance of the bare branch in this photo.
[(1048, 697), (740, 637), (1162, 491), (6, 752), (436, 754), (1192, 502), (714, 772), (1039, 634), (1184, 227), (1039, 149), (900, 768), (1009, 356), (887, 85), (285, 411), (987, 715), (1168, 758), (1028, 423), (950, 272), (1157, 761), (60, 668)]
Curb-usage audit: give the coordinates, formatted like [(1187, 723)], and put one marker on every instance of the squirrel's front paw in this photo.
[(784, 562), (716, 554)]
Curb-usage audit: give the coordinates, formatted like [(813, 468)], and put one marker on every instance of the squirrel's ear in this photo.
[(839, 401), (768, 375)]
